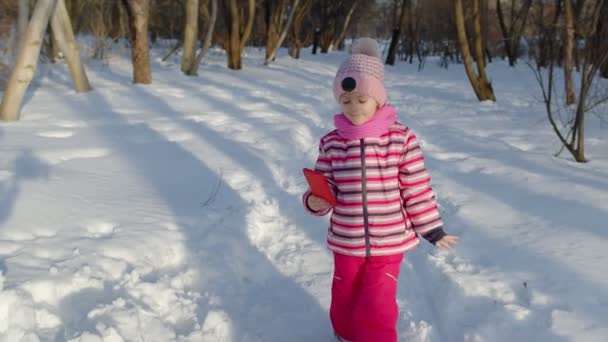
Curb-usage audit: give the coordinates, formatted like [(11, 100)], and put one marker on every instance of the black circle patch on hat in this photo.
[(349, 84)]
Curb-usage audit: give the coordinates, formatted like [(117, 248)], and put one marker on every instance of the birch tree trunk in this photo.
[(237, 41), (190, 36), (27, 60), (22, 20), (274, 21), (64, 38), (208, 38), (480, 84), (568, 50), (234, 51), (139, 12), (248, 26), (53, 46), (270, 55)]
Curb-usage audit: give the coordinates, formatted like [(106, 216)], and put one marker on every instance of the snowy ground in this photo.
[(171, 212)]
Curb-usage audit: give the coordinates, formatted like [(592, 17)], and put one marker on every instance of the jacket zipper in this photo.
[(364, 199)]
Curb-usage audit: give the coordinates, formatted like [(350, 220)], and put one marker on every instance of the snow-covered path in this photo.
[(171, 212)]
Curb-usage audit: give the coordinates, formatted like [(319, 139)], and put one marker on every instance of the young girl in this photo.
[(375, 168)]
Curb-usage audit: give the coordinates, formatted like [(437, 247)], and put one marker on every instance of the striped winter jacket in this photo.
[(382, 191)]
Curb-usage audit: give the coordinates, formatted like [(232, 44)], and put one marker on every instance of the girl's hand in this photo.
[(446, 242), (317, 204)]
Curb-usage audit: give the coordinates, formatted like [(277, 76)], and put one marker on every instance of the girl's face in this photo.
[(358, 108)]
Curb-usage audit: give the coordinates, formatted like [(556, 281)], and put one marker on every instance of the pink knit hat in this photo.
[(362, 72)]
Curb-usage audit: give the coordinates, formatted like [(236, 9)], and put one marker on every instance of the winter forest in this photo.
[(151, 156)]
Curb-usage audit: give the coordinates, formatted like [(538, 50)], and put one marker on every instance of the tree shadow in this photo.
[(520, 261), (320, 77), (248, 94), (239, 90), (288, 203), (74, 310), (227, 107), (58, 73), (456, 315), (234, 276), (472, 146), (557, 211), (26, 167), (2, 267)]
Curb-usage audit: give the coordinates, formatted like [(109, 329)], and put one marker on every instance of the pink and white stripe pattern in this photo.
[(400, 201)]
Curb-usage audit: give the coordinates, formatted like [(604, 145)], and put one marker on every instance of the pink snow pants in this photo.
[(364, 298)]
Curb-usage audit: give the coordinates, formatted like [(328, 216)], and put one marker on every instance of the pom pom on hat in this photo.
[(362, 72), (365, 46)]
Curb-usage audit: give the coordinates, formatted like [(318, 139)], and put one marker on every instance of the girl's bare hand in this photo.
[(446, 242), (317, 204)]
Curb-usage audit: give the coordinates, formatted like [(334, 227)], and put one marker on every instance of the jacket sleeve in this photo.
[(418, 197), (323, 165)]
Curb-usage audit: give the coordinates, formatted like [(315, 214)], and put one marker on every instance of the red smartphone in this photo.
[(319, 186)]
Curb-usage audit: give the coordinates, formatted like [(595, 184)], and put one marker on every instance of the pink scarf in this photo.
[(384, 117)]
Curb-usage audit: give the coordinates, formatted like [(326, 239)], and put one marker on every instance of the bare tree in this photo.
[(211, 18), (54, 11), (190, 36), (546, 16), (51, 45), (238, 30), (481, 85), (339, 38), (591, 93), (512, 32), (568, 51), (27, 59), (107, 21), (139, 12), (434, 30), (302, 11), (64, 37), (9, 13), (275, 38), (335, 18), (22, 20), (392, 51), (602, 31), (485, 12), (413, 28)]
